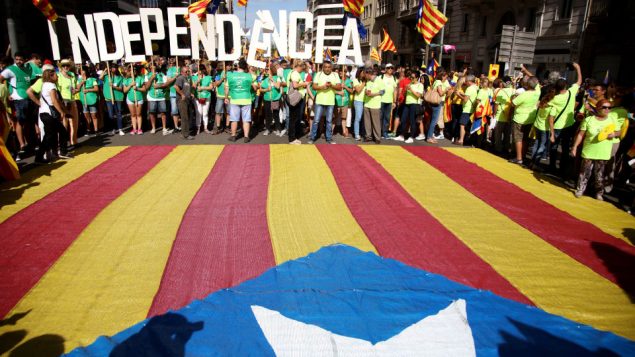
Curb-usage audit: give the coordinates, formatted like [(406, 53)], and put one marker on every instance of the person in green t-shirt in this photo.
[(19, 77), (220, 107), (270, 86), (375, 88), (297, 111), (88, 96), (525, 111), (113, 96), (469, 101), (134, 85), (561, 120), (596, 151), (541, 130), (325, 83), (172, 73), (239, 86), (342, 102), (204, 85), (158, 85), (36, 66)]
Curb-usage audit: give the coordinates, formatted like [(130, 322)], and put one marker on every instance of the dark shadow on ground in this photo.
[(630, 234), (164, 335), (621, 264), (13, 319), (536, 342), (10, 339), (42, 346)]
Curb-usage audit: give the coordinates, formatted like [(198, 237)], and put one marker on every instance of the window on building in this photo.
[(466, 23), (566, 7), (384, 7), (531, 20), (405, 5), (484, 27), (368, 9), (367, 38)]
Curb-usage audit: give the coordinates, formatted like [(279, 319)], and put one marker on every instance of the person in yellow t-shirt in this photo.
[(525, 111), (595, 151), (375, 88), (326, 83)]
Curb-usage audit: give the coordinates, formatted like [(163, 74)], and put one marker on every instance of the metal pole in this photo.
[(511, 53), (445, 4)]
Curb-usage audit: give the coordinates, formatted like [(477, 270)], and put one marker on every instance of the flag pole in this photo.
[(445, 4), (112, 99)]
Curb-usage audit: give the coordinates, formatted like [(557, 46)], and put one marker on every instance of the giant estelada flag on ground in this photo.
[(243, 250)]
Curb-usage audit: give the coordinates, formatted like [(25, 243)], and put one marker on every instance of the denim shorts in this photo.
[(174, 108), (157, 106), (219, 108), (139, 102), (465, 118), (89, 108), (236, 112)]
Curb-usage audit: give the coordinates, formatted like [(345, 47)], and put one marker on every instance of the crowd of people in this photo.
[(569, 127)]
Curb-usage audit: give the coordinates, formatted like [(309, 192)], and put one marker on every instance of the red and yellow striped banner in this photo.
[(117, 234)]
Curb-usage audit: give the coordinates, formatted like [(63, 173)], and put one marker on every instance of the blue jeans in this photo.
[(359, 113), (328, 112), (434, 119), (115, 110), (21, 110), (540, 146), (386, 108), (409, 114)]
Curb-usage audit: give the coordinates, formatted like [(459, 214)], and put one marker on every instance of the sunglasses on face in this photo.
[(605, 107)]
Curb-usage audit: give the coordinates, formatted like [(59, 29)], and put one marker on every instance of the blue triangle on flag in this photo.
[(361, 299)]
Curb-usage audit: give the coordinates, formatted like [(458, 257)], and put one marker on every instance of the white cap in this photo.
[(388, 65), (48, 67)]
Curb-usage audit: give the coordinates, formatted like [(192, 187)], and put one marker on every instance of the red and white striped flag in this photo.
[(429, 20), (387, 44)]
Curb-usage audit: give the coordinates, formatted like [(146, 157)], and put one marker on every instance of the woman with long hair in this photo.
[(89, 98), (442, 86), (358, 101), (204, 86), (270, 86), (67, 82), (51, 112), (414, 93), (134, 88), (597, 146), (296, 111)]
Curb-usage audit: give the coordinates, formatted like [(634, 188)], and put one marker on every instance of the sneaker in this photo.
[(266, 133), (516, 161), (599, 197), (399, 138), (358, 138), (167, 132), (65, 156), (153, 131), (310, 142), (295, 142), (410, 141), (578, 194), (189, 137), (276, 133), (246, 139), (121, 133), (439, 137), (331, 142), (420, 137), (18, 158), (391, 135), (233, 138), (283, 132), (134, 132), (139, 132)]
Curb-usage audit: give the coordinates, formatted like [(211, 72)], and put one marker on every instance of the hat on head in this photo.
[(66, 62), (389, 65), (48, 67)]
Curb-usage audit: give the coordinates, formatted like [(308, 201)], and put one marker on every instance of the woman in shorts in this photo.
[(134, 88)]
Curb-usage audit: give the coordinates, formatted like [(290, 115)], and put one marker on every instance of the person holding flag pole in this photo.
[(113, 94)]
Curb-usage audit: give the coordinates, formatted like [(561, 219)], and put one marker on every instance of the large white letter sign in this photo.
[(175, 31), (55, 45), (319, 40), (148, 35), (236, 31), (279, 34), (255, 45), (88, 39), (350, 32), (128, 37), (293, 32), (100, 17), (205, 37)]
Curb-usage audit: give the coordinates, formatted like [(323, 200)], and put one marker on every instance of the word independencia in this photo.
[(210, 34)]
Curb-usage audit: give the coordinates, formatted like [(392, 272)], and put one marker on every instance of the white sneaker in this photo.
[(420, 137), (167, 132), (399, 138), (266, 133), (153, 131), (439, 137), (284, 131), (295, 142), (409, 141), (121, 133)]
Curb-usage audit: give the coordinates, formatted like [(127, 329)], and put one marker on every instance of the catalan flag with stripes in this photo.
[(47, 9), (354, 7), (127, 245), (242, 2), (374, 55), (429, 20), (387, 44), (198, 8)]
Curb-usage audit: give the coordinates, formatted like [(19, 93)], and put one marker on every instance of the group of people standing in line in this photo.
[(562, 121)]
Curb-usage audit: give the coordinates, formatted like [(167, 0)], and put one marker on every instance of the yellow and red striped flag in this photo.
[(198, 8), (355, 7), (46, 8), (242, 2), (429, 20), (374, 55), (387, 44)]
